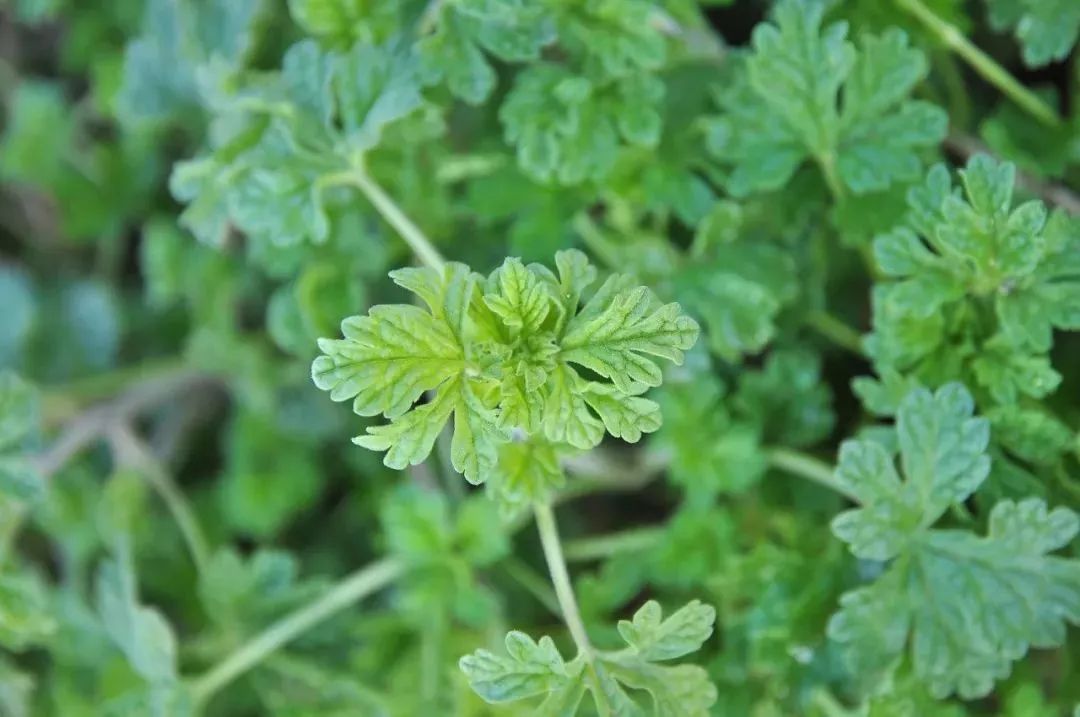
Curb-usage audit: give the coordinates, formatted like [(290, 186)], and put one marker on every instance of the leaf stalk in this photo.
[(352, 589), (560, 578), (421, 246)]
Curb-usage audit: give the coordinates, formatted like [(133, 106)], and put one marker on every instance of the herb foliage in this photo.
[(709, 358)]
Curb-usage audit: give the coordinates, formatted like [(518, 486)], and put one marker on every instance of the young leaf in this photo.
[(499, 355), (959, 253)]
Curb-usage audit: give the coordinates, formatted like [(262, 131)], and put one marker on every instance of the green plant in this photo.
[(751, 328)]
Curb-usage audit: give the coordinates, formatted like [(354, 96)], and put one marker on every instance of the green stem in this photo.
[(604, 546), (182, 514), (64, 400), (421, 246), (131, 450), (827, 162), (812, 469), (533, 583), (982, 63), (835, 330), (595, 241), (350, 590), (560, 578)]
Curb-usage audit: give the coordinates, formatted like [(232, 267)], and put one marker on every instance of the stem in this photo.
[(835, 330), (63, 401), (810, 468), (533, 583), (595, 241), (560, 578), (982, 63), (421, 246), (827, 162), (350, 590), (129, 449), (604, 546)]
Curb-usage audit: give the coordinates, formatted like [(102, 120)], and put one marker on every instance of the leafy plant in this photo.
[(637, 270)]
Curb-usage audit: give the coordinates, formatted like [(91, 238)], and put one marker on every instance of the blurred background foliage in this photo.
[(163, 278)]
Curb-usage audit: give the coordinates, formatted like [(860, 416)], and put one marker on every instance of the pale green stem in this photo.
[(534, 583), (64, 400), (347, 592), (827, 162), (560, 578), (603, 546), (812, 469), (835, 330), (982, 63), (421, 246), (133, 451)]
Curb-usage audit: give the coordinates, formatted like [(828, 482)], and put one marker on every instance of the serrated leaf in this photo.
[(511, 30), (1046, 29), (1030, 434), (535, 668), (624, 415), (497, 354), (178, 40), (530, 668), (738, 292), (943, 458), (968, 606), (374, 87), (787, 108), (288, 139), (568, 129), (964, 251), (656, 638), (567, 418), (618, 341)]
